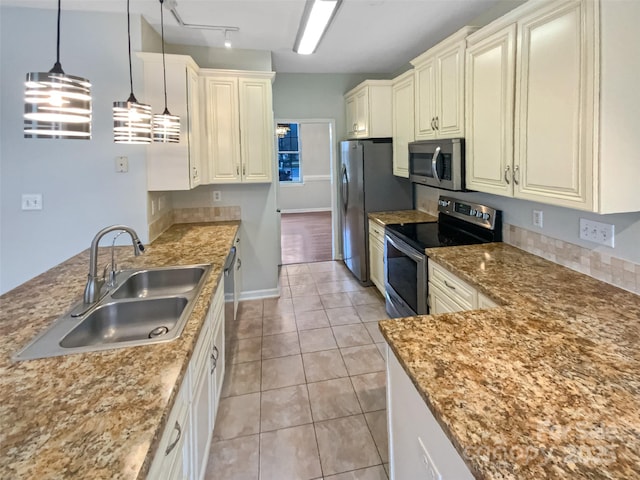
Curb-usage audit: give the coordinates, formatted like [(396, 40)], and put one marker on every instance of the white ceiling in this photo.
[(366, 36)]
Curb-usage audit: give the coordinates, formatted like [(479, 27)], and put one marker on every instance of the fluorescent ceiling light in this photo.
[(315, 20)]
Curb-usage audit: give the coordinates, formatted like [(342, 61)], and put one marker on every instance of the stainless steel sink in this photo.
[(147, 306)]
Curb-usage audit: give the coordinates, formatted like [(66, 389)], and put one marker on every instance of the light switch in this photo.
[(31, 201)]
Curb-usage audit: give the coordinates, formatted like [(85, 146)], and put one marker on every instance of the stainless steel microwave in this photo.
[(438, 163)]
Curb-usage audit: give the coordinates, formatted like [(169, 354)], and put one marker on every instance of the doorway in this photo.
[(306, 192)]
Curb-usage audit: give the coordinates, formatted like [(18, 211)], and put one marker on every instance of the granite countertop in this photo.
[(96, 415), (546, 385), (401, 216)]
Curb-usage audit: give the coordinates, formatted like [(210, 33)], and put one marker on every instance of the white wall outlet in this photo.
[(597, 232), (122, 164), (31, 201), (217, 196), (430, 468), (537, 218)]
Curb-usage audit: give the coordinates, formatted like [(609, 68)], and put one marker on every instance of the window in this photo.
[(289, 152)]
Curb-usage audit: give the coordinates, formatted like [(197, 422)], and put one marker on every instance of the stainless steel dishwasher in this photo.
[(229, 285)]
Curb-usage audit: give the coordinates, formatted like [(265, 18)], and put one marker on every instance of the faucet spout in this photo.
[(94, 284)]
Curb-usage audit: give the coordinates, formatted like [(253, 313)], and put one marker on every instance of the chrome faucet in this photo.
[(94, 284)]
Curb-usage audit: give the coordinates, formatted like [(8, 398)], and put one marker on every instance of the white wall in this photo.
[(314, 193), (81, 191)]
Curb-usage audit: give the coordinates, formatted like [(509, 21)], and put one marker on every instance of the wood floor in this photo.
[(306, 237)]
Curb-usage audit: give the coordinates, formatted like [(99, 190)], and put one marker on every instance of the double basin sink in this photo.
[(146, 306)]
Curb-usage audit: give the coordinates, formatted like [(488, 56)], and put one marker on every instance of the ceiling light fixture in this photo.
[(57, 105), (166, 127), (315, 20), (131, 120), (227, 39)]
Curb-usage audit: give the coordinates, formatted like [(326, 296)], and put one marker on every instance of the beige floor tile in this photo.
[(327, 277), (382, 348), (298, 269), (277, 306), (364, 359), (284, 407), (283, 278), (346, 444), (307, 303), (335, 300), (302, 279), (250, 308), (242, 378), (337, 287), (333, 399), (237, 416), (282, 372), (316, 340), (289, 453), (244, 350), (312, 320), (372, 328), (370, 296), (372, 313), (351, 335), (280, 345), (343, 316), (371, 390), (246, 327), (236, 459), (285, 291), (324, 365), (371, 473), (329, 266), (303, 290), (377, 422), (282, 323)]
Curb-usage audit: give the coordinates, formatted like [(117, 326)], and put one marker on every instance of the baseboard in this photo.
[(306, 210), (258, 294)]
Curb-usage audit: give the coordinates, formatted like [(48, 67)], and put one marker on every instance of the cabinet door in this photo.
[(218, 363), (256, 130), (223, 130), (555, 105), (449, 70), (201, 422), (194, 127), (403, 125), (440, 302), (376, 262), (362, 113), (351, 116), (490, 82), (425, 97)]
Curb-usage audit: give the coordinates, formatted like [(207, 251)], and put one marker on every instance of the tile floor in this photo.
[(304, 394)]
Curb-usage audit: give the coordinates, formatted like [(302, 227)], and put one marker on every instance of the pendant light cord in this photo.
[(57, 67), (129, 37), (164, 68)]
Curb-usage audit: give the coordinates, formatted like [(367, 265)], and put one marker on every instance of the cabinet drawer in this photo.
[(376, 231), (459, 291)]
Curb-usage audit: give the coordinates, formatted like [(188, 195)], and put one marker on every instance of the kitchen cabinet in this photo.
[(418, 447), (368, 110), (403, 121), (439, 88), (376, 255), (174, 166), (184, 448), (573, 100), (239, 125)]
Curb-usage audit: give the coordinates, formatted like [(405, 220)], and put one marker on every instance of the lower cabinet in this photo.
[(184, 447), (376, 255), (418, 447)]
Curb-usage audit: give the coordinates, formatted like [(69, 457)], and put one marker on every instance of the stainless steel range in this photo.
[(459, 223)]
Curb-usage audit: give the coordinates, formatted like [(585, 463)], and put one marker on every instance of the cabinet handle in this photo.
[(516, 174), (195, 172), (355, 127), (239, 264), (237, 169), (244, 169), (216, 352), (433, 126), (437, 123), (214, 363), (175, 442), (506, 174), (450, 286)]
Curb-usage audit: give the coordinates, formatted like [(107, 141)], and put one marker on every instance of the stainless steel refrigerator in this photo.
[(367, 185)]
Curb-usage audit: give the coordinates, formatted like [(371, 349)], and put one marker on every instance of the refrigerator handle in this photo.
[(345, 188)]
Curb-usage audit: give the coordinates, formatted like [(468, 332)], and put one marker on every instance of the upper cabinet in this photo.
[(174, 166), (560, 68), (439, 89), (403, 124), (238, 117), (368, 110)]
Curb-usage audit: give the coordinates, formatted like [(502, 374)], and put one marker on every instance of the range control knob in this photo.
[(485, 216), (472, 212), (479, 214)]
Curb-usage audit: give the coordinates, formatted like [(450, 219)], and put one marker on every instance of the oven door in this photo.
[(405, 271)]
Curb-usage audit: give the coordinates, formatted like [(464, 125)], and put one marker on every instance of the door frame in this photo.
[(336, 250)]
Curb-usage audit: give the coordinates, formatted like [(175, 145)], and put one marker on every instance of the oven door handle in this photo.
[(434, 164), (405, 248)]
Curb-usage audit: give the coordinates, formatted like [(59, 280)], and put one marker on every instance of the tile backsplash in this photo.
[(191, 215)]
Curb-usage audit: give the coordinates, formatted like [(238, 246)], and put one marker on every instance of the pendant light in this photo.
[(131, 119), (166, 127), (57, 105)]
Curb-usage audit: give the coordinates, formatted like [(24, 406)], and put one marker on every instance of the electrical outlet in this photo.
[(122, 164), (597, 232), (153, 207), (31, 201), (537, 218), (217, 196), (430, 467)]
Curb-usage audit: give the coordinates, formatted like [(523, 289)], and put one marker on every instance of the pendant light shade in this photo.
[(131, 119), (57, 105), (166, 127)]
